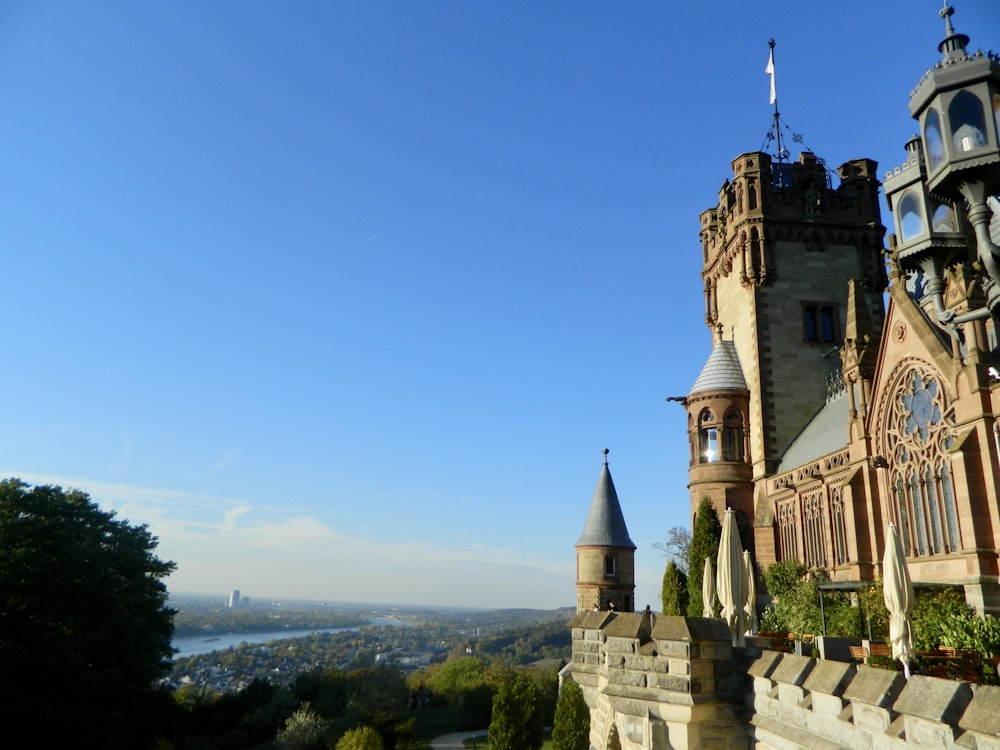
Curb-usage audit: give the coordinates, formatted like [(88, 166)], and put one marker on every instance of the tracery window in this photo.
[(919, 433), (839, 520), (812, 522), (788, 549)]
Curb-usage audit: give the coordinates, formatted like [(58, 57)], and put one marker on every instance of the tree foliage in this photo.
[(677, 547), (704, 543), (362, 738), (571, 729), (84, 625), (674, 596), (783, 576), (304, 730), (516, 721)]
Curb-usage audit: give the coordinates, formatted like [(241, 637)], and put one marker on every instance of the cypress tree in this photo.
[(571, 727), (704, 543), (674, 597)]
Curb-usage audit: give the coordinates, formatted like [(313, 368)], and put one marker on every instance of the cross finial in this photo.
[(946, 13), (605, 452)]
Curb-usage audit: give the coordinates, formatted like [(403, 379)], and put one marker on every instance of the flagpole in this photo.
[(774, 100)]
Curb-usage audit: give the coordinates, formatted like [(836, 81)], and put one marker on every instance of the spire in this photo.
[(605, 525), (953, 45)]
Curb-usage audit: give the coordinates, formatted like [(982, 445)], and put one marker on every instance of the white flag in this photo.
[(770, 69)]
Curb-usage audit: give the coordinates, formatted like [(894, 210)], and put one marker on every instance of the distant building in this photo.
[(234, 598), (605, 554)]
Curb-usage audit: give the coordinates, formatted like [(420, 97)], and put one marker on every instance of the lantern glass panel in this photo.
[(968, 124), (932, 139), (943, 218), (911, 219), (996, 114)]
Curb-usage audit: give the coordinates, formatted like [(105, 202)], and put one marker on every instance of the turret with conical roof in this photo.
[(718, 409), (605, 553)]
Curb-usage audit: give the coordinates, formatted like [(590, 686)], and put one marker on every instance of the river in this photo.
[(200, 644)]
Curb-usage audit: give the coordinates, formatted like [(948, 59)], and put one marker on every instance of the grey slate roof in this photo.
[(605, 525), (722, 371), (826, 433)]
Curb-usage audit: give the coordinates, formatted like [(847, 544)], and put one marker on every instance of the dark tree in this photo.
[(674, 597), (84, 626), (704, 543), (516, 723), (571, 729)]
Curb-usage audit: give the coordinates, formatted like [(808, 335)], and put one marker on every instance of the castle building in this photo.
[(823, 415), (605, 553)]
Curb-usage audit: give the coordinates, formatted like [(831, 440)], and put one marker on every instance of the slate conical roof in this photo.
[(605, 525), (721, 372)]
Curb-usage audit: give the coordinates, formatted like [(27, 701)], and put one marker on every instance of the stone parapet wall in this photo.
[(795, 702), (665, 683)]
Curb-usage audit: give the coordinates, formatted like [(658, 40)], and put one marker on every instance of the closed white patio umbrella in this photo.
[(751, 607), (708, 590), (731, 579), (897, 591)]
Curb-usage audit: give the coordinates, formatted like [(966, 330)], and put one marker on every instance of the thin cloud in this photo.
[(223, 463)]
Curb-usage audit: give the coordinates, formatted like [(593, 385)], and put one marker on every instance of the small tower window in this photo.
[(610, 566), (732, 436), (819, 323), (708, 438)]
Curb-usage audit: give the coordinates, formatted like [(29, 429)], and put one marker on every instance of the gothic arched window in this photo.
[(919, 431), (708, 438), (732, 436), (788, 549)]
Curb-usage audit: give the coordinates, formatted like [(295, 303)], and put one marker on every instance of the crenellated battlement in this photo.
[(676, 682)]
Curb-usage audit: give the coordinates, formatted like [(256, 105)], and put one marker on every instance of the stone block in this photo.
[(827, 705), (641, 663), (702, 668), (925, 733), (674, 649), (830, 677), (765, 665), (876, 687), (983, 713), (621, 645), (871, 717), (792, 694), (793, 669), (680, 666), (675, 683), (714, 743), (934, 699)]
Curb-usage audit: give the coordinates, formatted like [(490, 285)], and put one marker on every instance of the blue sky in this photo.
[(344, 299)]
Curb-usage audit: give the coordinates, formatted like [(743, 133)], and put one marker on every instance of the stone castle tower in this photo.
[(778, 251), (605, 554)]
